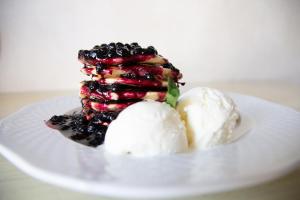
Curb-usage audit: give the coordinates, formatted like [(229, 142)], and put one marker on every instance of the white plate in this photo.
[(269, 150)]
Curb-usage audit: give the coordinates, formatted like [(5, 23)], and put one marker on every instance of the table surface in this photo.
[(14, 184)]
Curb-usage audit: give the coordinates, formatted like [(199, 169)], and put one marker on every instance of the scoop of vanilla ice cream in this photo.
[(209, 115), (146, 128)]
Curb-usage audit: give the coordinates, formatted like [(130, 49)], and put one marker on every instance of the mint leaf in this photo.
[(172, 93)]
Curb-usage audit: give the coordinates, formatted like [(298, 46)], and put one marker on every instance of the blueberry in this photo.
[(105, 48), (101, 128), (127, 46), (97, 119), (82, 129), (99, 68), (111, 45), (149, 76), (80, 53), (167, 65), (138, 51), (93, 54), (96, 47), (92, 128), (126, 52), (119, 45), (101, 53), (79, 120), (119, 52), (150, 51), (114, 89), (170, 66), (105, 117), (113, 115), (112, 53), (132, 52), (93, 85), (153, 49), (134, 44), (57, 119), (104, 45), (144, 51), (86, 53)]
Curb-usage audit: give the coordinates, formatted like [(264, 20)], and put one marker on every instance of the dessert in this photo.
[(210, 117), (128, 104), (146, 128), (120, 75)]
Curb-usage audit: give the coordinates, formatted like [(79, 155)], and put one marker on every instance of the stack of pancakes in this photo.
[(122, 74)]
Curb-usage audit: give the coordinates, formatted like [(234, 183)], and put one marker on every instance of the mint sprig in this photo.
[(172, 93)]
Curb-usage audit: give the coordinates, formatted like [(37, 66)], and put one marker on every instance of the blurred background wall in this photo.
[(225, 40)]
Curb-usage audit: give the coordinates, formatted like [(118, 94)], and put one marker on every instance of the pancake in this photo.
[(116, 87), (85, 92), (132, 82), (133, 71), (105, 107)]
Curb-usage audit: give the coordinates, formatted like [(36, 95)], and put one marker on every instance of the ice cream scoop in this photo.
[(147, 128), (210, 117)]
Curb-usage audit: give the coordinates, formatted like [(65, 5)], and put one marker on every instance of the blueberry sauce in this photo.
[(77, 127)]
